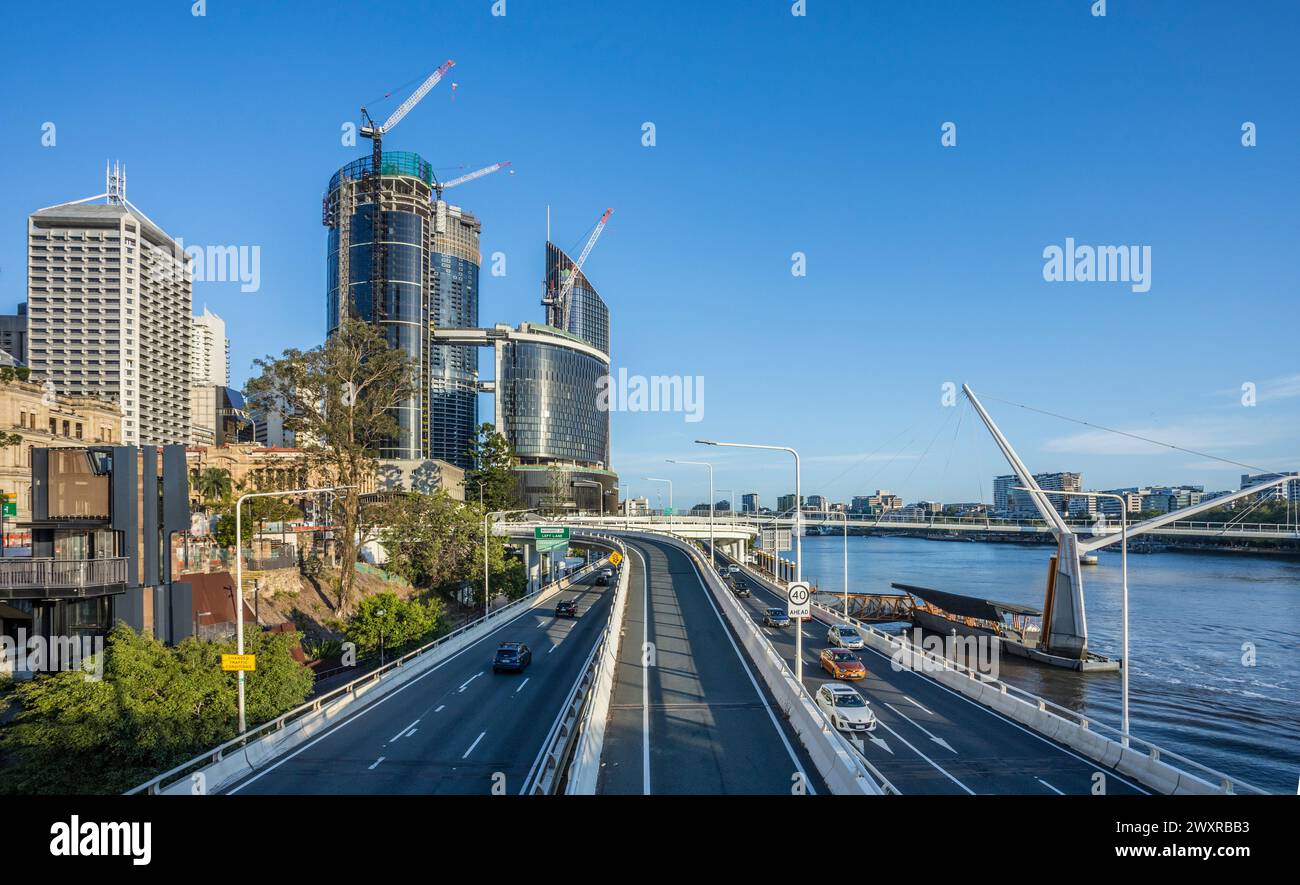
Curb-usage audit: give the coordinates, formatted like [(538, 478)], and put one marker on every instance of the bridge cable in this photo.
[(1136, 436)]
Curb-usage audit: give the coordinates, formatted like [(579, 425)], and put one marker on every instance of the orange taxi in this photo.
[(842, 664)]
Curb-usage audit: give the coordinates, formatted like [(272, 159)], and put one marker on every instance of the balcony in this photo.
[(26, 578)]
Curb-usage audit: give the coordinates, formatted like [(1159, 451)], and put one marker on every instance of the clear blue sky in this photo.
[(775, 134)]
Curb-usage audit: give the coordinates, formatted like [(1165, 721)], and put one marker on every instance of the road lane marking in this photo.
[(377, 761), (404, 731), (1092, 764), (1049, 786), (464, 685), (521, 685), (645, 672), (532, 609), (934, 764), (708, 595), (554, 647), (441, 707), (931, 735), (473, 745), (915, 704)]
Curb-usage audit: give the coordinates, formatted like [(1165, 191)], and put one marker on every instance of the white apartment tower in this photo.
[(209, 351), (108, 311)]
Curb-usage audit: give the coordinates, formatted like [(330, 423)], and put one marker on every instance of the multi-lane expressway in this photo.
[(458, 728), (930, 739), (689, 711)]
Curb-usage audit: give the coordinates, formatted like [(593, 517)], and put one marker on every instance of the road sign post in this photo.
[(798, 606)]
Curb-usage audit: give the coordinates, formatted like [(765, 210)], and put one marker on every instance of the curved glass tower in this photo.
[(588, 314), (428, 278)]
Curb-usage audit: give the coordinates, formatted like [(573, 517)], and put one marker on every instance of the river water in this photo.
[(1194, 621)]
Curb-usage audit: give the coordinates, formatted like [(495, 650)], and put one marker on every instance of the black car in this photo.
[(566, 608), (512, 656), (742, 589)]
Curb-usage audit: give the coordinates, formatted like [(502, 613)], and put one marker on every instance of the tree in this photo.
[(154, 708), (491, 460), (213, 484), (338, 399), (401, 621)]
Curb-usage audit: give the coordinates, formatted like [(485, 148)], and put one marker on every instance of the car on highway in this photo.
[(566, 608), (734, 569), (512, 656), (776, 617), (844, 636), (602, 580), (842, 664), (845, 707), (741, 589)]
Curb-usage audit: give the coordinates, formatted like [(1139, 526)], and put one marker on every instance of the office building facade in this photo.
[(546, 400), (588, 315), (417, 272), (749, 502), (108, 310), (13, 336)]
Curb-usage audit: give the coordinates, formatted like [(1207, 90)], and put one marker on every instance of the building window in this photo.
[(78, 430), (66, 429), (54, 427)]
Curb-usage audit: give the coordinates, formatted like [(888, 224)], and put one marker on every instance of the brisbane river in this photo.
[(1214, 639)]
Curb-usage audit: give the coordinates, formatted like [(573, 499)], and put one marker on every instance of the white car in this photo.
[(734, 569), (845, 707), (844, 636)]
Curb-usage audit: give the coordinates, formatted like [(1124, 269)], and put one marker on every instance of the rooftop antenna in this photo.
[(115, 183)]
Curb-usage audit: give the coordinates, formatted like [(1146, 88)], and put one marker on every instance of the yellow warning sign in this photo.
[(238, 662), (615, 558)]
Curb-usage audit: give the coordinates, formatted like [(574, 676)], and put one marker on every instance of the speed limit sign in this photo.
[(799, 597)]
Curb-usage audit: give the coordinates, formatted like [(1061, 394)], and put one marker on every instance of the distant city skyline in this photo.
[(924, 263)]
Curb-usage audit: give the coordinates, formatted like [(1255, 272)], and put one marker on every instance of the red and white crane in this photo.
[(559, 301)]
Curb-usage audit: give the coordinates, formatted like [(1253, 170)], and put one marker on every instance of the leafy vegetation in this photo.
[(490, 473), (338, 398), (395, 621), (154, 708)]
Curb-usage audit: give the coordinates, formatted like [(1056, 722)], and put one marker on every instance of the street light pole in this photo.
[(713, 556), (1123, 558), (845, 517), (798, 537), (670, 488), (239, 576)]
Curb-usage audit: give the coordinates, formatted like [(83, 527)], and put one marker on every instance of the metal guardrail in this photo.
[(572, 721), (25, 573), (867, 769), (1227, 783), (155, 784)]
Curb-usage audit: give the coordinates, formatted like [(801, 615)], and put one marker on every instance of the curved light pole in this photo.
[(1123, 557), (670, 488), (239, 575), (798, 537), (713, 556), (592, 482)]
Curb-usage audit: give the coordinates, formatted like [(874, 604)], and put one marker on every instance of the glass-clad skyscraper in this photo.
[(428, 278), (588, 314)]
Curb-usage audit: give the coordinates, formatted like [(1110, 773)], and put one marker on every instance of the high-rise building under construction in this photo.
[(419, 272)]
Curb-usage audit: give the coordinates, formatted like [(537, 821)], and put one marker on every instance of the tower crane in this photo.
[(376, 135), (440, 207), (559, 301)]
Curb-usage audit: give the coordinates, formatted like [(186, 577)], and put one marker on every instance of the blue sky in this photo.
[(775, 134)]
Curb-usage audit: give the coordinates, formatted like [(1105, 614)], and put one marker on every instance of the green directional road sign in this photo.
[(11, 508), (550, 533), (668, 511)]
